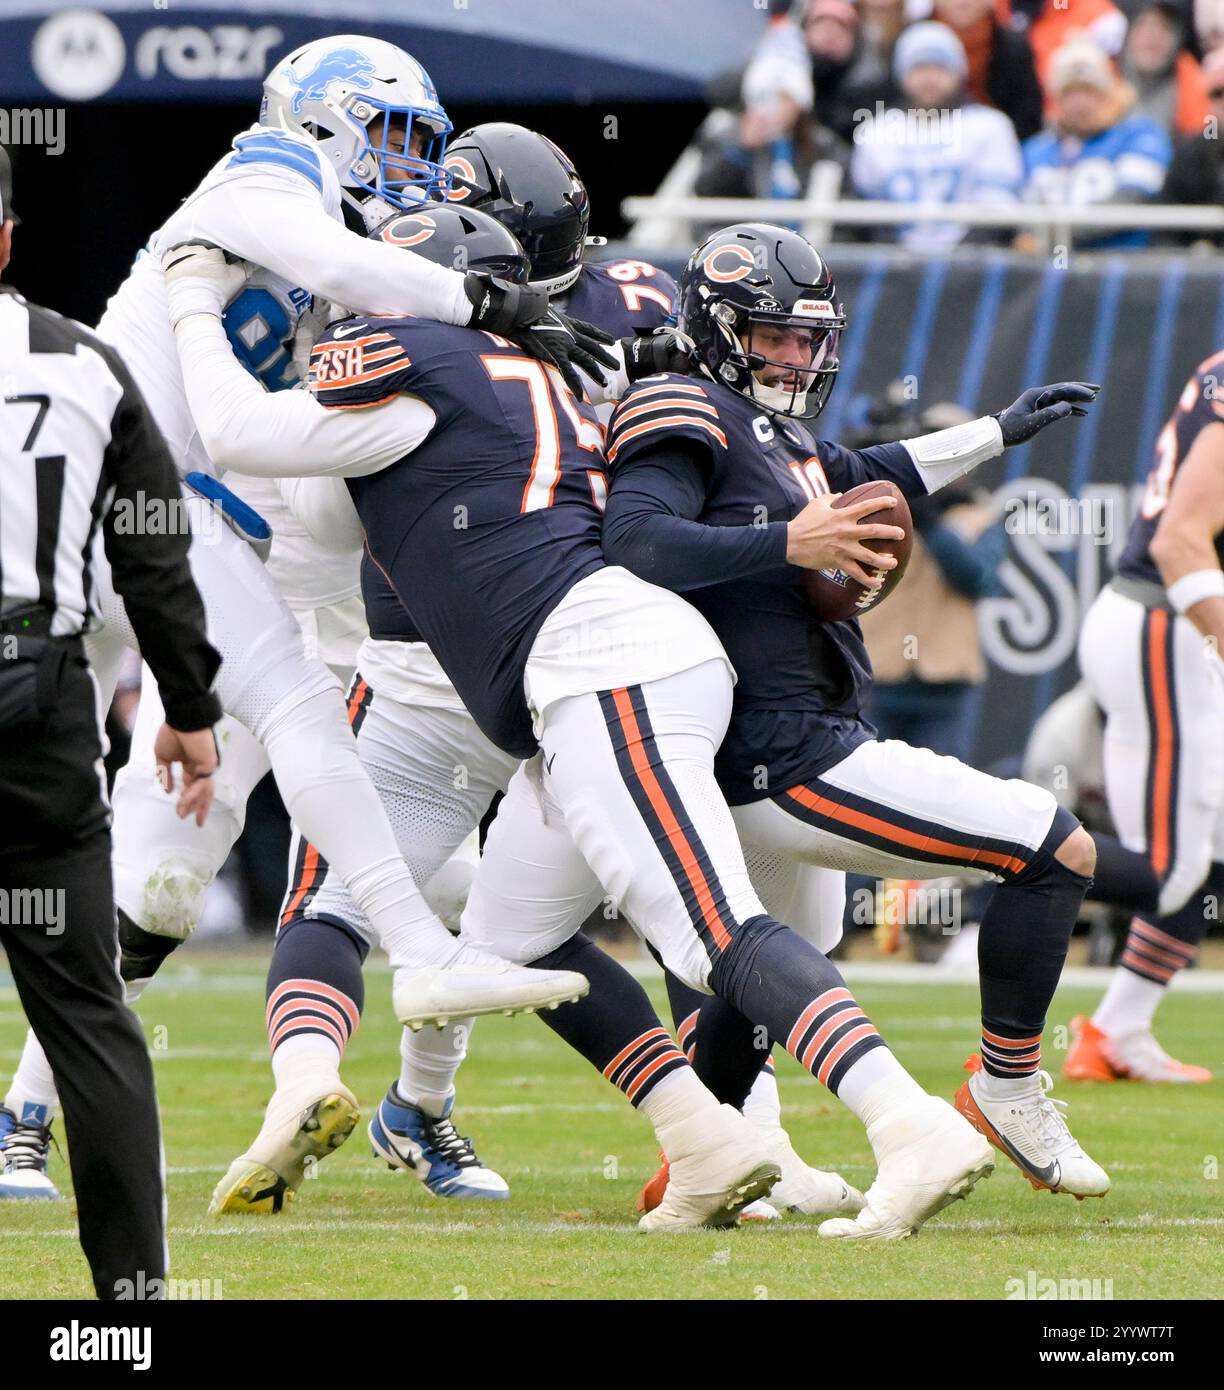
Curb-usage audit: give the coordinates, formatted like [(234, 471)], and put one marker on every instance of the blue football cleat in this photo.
[(432, 1151), (24, 1146)]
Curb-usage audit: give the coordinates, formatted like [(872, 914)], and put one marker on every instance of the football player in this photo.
[(528, 184), (431, 764), (710, 476), (1150, 653), (350, 129), (616, 691), (413, 732)]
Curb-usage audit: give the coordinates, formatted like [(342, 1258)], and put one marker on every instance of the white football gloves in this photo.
[(200, 279)]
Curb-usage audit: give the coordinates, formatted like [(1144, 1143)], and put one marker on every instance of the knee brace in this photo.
[(141, 952)]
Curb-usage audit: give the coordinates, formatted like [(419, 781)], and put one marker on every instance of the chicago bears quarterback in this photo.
[(350, 129), (1150, 652), (709, 476), (616, 691)]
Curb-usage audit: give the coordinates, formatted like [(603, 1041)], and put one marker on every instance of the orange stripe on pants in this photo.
[(671, 827), (910, 838), (1160, 850)]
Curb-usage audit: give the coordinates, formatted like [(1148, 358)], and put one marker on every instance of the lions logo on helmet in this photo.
[(367, 104), (340, 65), (754, 276)]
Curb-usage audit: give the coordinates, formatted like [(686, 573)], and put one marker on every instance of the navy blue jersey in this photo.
[(1198, 406), (702, 453), (386, 617), (622, 297), (489, 522)]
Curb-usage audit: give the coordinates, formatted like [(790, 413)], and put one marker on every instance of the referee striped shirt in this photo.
[(75, 440)]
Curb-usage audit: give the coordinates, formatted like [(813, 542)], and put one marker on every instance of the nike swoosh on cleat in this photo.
[(548, 762), (1050, 1174)]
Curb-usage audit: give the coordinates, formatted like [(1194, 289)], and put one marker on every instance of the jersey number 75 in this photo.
[(545, 385)]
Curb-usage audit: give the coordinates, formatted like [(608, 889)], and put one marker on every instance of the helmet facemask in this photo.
[(386, 166), (806, 337)]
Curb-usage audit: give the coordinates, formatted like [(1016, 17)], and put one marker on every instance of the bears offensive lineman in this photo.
[(510, 172), (350, 129), (488, 530), (1150, 653), (413, 732)]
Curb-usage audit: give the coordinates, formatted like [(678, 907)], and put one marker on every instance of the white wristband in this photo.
[(1192, 588), (946, 455)]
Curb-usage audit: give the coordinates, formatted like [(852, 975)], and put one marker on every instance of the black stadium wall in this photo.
[(977, 329)]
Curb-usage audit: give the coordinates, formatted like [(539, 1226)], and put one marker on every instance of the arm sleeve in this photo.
[(150, 571), (285, 433), (273, 219), (650, 525), (326, 510)]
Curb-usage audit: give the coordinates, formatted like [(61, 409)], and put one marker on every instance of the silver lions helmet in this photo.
[(374, 111)]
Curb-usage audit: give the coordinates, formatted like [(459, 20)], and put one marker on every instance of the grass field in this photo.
[(575, 1155)]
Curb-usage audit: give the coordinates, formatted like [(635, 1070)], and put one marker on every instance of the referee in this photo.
[(76, 442)]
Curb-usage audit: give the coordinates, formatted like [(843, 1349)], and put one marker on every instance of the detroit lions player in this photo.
[(350, 128)]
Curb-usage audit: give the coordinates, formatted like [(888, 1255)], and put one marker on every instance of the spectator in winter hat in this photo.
[(936, 145), (1098, 150)]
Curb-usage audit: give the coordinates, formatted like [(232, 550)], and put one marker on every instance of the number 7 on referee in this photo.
[(76, 442)]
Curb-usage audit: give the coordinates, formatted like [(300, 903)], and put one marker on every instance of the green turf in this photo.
[(575, 1155)]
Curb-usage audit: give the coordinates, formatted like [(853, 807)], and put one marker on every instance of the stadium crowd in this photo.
[(1066, 103)]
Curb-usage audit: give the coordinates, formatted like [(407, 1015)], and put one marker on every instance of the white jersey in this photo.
[(966, 155), (274, 201)]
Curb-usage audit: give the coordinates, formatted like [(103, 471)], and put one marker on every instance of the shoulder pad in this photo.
[(272, 146), (661, 406)]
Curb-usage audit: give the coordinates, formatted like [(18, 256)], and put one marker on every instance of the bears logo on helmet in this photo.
[(753, 278), (409, 230), (524, 180)]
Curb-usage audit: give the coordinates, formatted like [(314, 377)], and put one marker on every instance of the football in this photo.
[(833, 593)]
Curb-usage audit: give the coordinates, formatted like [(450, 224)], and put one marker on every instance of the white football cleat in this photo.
[(1139, 1057), (718, 1165), (802, 1188), (306, 1120), (474, 983), (928, 1157), (1029, 1128)]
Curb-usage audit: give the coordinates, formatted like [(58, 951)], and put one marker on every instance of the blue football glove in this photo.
[(1041, 406)]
